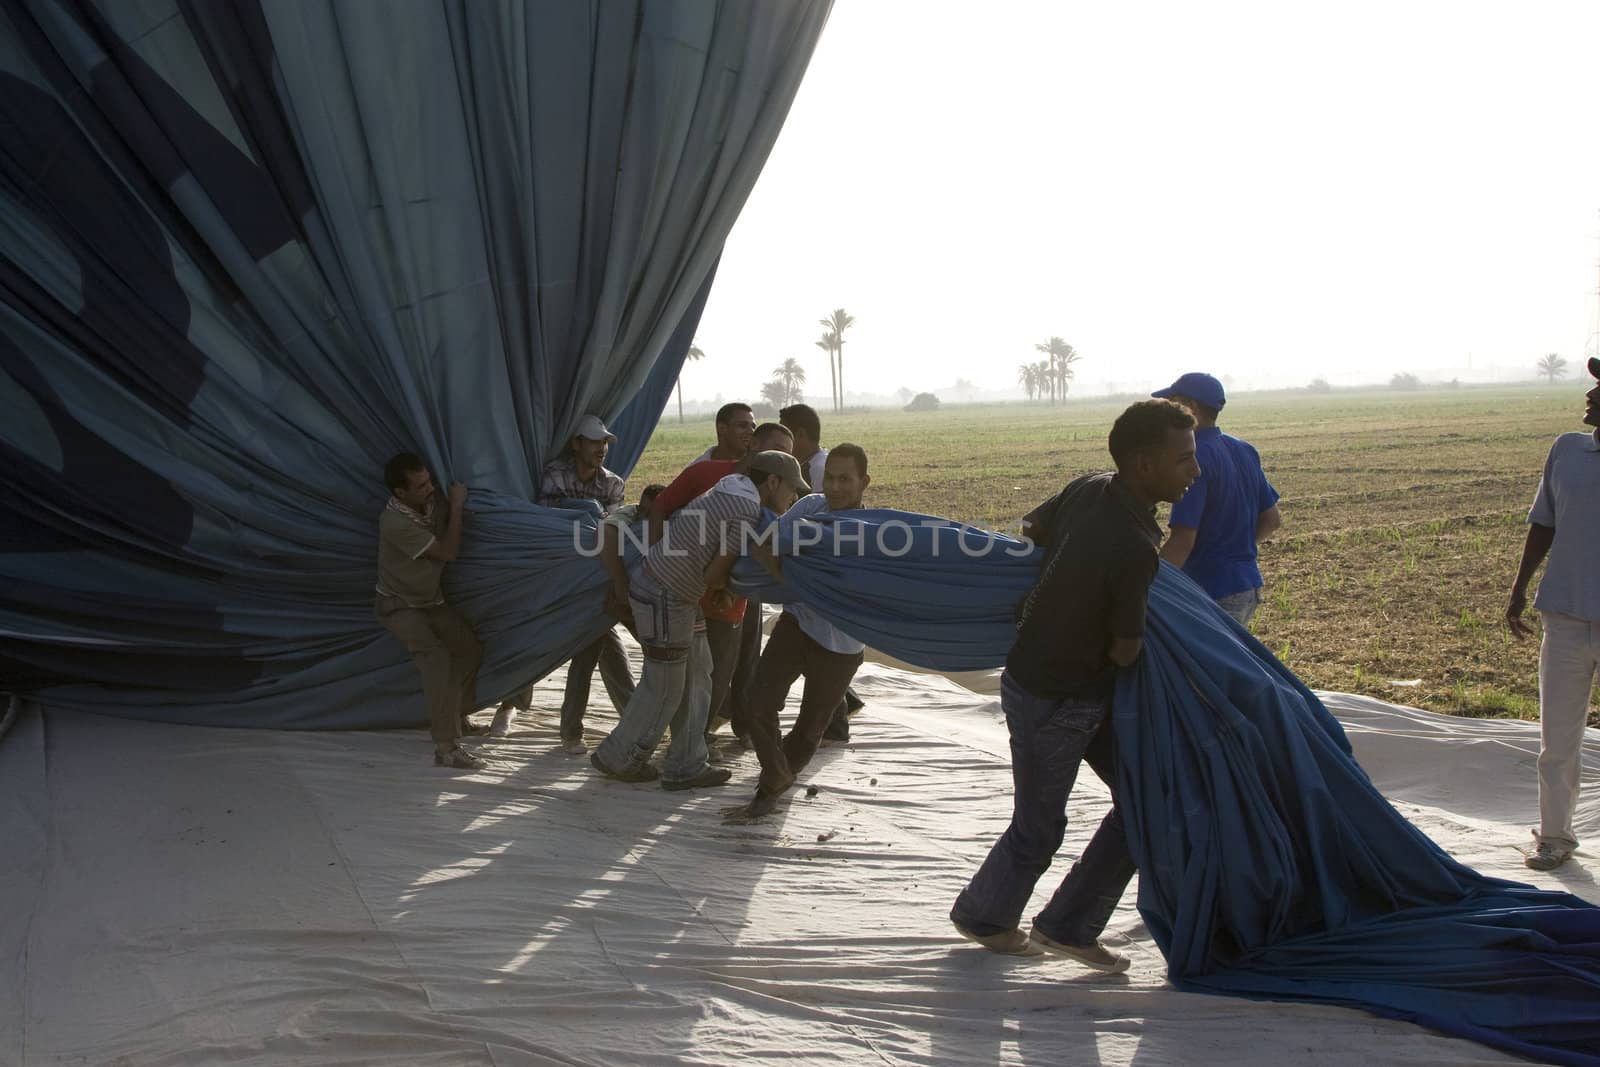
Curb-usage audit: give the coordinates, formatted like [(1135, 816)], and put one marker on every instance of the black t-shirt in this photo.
[(1101, 551)]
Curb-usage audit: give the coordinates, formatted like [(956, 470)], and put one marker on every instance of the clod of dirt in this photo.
[(812, 790), (829, 836), (873, 782)]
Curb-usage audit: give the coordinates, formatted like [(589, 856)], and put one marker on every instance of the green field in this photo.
[(1403, 516)]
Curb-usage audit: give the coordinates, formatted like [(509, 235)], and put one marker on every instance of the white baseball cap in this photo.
[(590, 428)]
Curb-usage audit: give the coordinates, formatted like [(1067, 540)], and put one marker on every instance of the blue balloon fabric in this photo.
[(1269, 865), (250, 249)]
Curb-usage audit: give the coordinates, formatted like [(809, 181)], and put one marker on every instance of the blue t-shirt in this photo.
[(1222, 506)]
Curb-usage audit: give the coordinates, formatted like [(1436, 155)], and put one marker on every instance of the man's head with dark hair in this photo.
[(648, 496), (395, 471), (772, 436), (1591, 411), (1152, 443), (736, 425), (409, 480), (803, 422), (854, 453), (844, 476), (727, 411)]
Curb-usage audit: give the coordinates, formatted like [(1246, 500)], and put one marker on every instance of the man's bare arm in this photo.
[(447, 547), (1124, 650), (1268, 522), (1534, 550), (1180, 542)]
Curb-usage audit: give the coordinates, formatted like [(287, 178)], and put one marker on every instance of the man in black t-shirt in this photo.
[(1082, 621)]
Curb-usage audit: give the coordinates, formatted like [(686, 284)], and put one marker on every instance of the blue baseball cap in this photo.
[(1202, 387)]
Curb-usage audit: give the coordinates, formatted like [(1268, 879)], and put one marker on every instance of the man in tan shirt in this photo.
[(416, 538)]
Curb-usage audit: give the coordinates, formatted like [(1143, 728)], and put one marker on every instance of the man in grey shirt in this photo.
[(1564, 524)]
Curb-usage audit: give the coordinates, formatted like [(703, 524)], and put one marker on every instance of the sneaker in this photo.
[(1547, 856), (1095, 956), (644, 772), (458, 759), (704, 780), (574, 746), (501, 727), (1011, 942)]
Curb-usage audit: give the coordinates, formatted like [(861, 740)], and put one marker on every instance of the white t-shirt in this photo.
[(814, 469), (811, 623)]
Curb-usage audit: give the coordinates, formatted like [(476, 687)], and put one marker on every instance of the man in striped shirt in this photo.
[(725, 622), (675, 686)]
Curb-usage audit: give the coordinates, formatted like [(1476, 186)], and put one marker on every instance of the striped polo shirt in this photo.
[(721, 516)]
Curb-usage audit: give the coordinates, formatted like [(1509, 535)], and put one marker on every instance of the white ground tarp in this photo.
[(191, 895)]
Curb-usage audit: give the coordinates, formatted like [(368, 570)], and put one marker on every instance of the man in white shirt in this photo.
[(675, 685), (806, 425), (803, 421), (1563, 524), (803, 643)]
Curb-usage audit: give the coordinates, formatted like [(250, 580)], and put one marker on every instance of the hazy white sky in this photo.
[(1268, 190)]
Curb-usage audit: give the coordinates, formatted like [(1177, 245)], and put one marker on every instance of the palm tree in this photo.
[(1028, 378), (695, 354), (1553, 367), (1061, 358), (839, 322), (828, 343), (773, 393), (791, 375)]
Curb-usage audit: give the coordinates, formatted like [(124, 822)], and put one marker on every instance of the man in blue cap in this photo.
[(1229, 509)]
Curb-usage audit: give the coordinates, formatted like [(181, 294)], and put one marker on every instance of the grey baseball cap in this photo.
[(783, 465), (590, 428)]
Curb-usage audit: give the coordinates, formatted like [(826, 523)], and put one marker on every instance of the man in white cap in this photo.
[(1227, 512), (579, 474), (1564, 524)]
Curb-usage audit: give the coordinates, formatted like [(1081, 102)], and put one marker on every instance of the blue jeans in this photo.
[(1050, 737), (1242, 606), (674, 688)]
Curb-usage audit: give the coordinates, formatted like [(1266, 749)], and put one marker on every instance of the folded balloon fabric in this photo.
[(1269, 865)]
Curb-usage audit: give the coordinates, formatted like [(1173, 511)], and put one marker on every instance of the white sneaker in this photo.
[(1547, 855), (1012, 942), (502, 721), (1095, 956), (575, 746)]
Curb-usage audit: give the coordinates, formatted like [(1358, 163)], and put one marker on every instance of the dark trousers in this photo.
[(1050, 738), (447, 653), (606, 652), (788, 655), (725, 641), (743, 681)]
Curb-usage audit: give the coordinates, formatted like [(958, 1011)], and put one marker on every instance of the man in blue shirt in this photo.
[(1564, 524), (1231, 507)]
